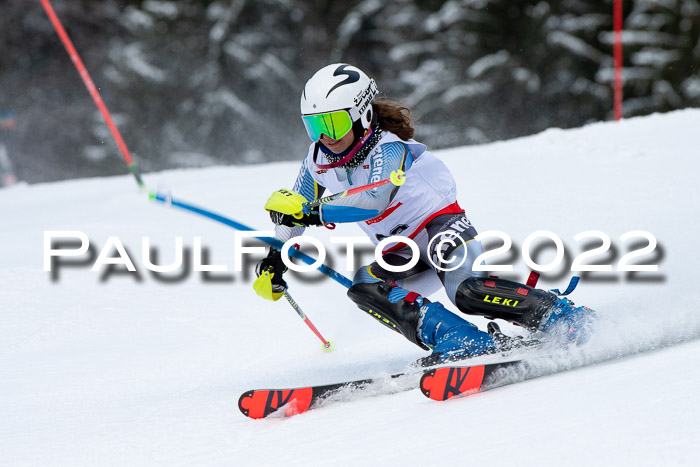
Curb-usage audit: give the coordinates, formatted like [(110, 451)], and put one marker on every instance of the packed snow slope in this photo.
[(111, 367)]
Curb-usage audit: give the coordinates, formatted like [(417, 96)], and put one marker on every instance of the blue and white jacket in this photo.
[(429, 190)]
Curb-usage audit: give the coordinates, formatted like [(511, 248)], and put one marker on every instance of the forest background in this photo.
[(193, 83)]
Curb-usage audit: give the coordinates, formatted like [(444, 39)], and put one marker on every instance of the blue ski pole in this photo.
[(293, 252)]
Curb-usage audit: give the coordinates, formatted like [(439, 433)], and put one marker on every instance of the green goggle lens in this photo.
[(333, 124)]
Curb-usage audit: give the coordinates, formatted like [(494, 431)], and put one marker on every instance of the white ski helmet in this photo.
[(339, 88)]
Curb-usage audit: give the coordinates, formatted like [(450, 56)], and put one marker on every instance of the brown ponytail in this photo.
[(394, 117)]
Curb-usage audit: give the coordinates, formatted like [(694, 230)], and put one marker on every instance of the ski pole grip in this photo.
[(397, 177)]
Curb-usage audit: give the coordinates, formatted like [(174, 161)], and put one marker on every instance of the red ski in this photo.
[(263, 402), (260, 403), (438, 383), (445, 382)]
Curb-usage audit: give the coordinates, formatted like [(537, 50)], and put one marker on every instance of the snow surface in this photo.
[(127, 369)]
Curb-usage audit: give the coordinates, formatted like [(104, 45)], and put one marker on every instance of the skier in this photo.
[(357, 140)]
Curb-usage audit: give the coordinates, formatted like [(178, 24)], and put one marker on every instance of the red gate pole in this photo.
[(617, 54), (92, 89)]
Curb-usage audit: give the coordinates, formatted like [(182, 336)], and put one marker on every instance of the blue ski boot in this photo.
[(567, 321), (426, 324), (450, 336)]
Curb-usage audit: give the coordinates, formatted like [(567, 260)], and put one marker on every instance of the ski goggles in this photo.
[(333, 124)]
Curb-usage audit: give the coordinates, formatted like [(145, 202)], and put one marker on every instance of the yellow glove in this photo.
[(286, 207), (267, 285), (264, 288), (287, 202)]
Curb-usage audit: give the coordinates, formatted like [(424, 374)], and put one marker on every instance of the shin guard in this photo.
[(401, 316), (503, 299)]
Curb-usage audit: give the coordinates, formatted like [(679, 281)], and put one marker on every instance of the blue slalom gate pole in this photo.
[(293, 252)]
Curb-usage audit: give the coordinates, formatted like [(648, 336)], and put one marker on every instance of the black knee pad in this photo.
[(503, 299), (401, 317)]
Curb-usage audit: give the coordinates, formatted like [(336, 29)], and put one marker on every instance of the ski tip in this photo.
[(261, 403), (244, 403), (426, 383)]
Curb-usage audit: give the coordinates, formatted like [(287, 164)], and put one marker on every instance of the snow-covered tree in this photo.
[(196, 82)]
